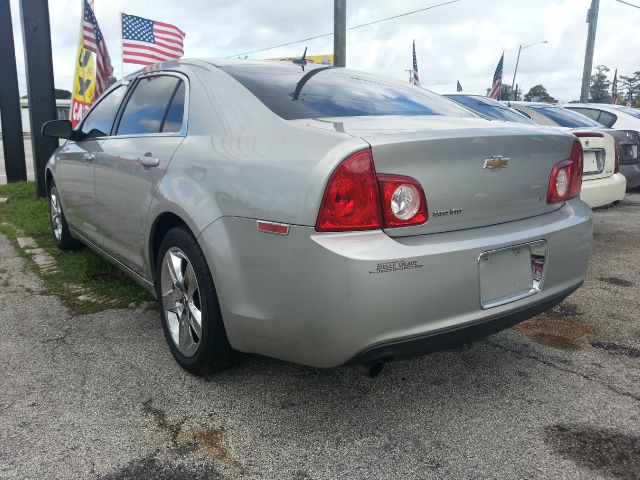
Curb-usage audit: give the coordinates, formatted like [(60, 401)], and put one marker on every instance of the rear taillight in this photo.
[(354, 194), (616, 168), (403, 201), (351, 199), (565, 181)]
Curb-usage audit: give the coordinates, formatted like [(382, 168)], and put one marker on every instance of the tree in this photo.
[(631, 85), (62, 94), (58, 93), (538, 93), (599, 89), (506, 93)]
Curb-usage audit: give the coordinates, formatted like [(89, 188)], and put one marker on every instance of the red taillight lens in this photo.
[(616, 168), (403, 201), (565, 181), (351, 200)]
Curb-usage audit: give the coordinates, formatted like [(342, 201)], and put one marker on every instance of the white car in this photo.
[(610, 116), (602, 182)]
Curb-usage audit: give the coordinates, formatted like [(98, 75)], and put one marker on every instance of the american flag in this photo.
[(496, 88), (146, 42), (459, 87), (93, 41), (415, 78), (614, 89)]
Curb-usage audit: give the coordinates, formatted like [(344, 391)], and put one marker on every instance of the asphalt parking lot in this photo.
[(99, 396)]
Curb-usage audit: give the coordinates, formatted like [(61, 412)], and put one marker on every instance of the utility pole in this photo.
[(12, 139), (592, 20), (339, 33), (39, 68)]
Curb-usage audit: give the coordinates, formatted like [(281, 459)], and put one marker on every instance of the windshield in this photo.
[(567, 118), (490, 108), (327, 92)]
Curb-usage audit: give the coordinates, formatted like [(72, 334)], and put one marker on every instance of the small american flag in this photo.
[(496, 88), (415, 78), (614, 89), (93, 41), (459, 87), (146, 42)]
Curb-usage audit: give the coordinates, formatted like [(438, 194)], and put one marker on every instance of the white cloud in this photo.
[(462, 41)]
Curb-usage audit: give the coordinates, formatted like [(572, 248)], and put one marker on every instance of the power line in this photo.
[(627, 3), (350, 28)]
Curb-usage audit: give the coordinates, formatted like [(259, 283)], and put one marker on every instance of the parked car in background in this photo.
[(602, 183), (325, 216), (611, 116), (618, 117), (489, 108)]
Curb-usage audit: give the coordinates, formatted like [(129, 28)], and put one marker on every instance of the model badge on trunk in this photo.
[(497, 162)]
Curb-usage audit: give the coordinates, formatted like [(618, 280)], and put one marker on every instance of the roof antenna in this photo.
[(301, 61)]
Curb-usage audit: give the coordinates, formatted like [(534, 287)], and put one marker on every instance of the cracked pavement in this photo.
[(99, 396)]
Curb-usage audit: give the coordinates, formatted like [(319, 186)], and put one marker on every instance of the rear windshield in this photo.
[(634, 112), (326, 92), (567, 118), (491, 108)]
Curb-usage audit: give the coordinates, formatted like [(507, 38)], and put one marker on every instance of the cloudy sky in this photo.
[(462, 41)]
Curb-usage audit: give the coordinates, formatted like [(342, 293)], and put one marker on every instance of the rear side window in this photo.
[(587, 112), (566, 118), (607, 119), (147, 108), (175, 114), (100, 120), (326, 92)]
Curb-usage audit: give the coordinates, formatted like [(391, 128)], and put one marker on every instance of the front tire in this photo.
[(59, 227), (189, 308)]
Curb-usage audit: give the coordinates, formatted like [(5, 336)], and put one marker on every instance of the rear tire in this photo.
[(189, 308), (59, 227)]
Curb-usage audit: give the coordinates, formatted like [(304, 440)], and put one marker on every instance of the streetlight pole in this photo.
[(592, 20), (513, 83)]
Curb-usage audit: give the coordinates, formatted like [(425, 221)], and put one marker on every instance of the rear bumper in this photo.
[(455, 336), (325, 299), (603, 191), (632, 173)]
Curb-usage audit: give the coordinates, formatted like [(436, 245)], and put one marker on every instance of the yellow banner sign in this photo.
[(316, 59), (84, 84)]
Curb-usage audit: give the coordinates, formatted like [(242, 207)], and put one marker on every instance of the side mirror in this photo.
[(57, 129)]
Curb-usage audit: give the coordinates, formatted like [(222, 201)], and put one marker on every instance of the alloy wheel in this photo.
[(181, 301)]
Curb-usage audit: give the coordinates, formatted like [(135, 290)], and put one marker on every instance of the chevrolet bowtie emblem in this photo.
[(497, 162)]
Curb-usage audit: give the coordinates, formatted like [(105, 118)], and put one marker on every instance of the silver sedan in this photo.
[(325, 216)]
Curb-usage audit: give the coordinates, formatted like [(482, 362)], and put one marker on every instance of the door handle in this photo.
[(148, 160), (89, 156)]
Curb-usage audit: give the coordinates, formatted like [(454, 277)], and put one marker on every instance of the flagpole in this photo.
[(121, 50), (80, 47)]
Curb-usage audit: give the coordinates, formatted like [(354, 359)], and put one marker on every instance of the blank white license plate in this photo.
[(505, 275)]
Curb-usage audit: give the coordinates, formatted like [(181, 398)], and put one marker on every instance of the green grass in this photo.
[(30, 216)]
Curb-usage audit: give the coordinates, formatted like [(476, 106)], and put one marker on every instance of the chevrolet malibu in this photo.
[(321, 216)]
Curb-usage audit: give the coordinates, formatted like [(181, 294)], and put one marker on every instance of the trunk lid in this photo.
[(599, 153), (447, 156)]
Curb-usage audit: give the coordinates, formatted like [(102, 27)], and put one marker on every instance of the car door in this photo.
[(150, 127), (75, 165)]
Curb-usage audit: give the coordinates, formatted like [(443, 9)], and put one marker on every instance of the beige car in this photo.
[(602, 182)]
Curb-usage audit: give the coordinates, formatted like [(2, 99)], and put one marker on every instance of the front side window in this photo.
[(326, 92), (100, 119), (149, 105)]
